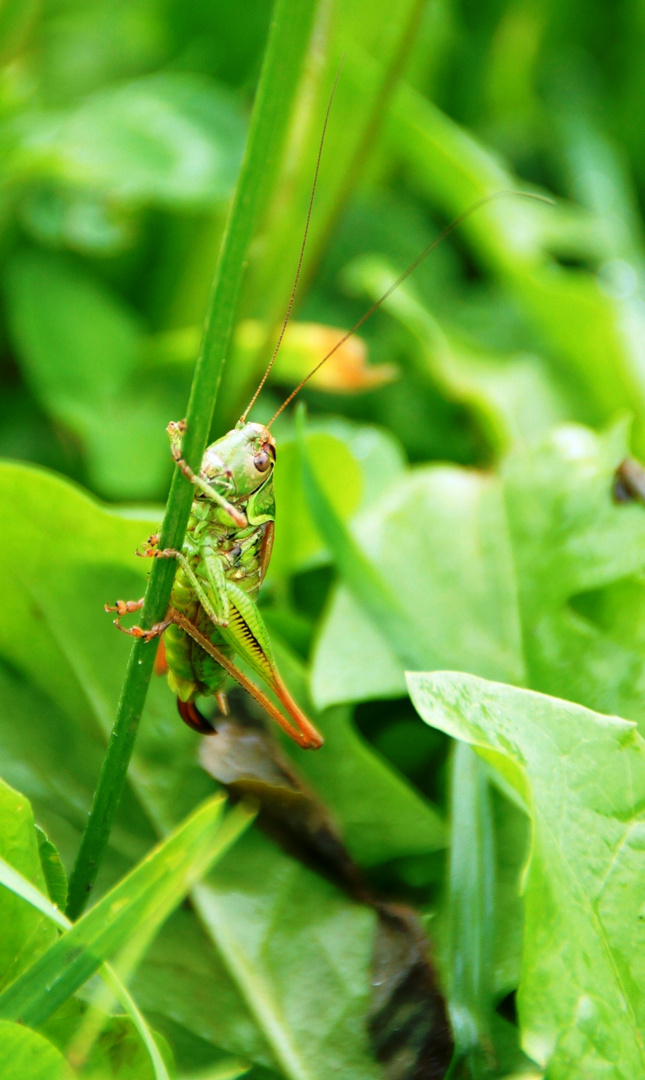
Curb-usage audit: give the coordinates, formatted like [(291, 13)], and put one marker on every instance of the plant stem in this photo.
[(286, 49)]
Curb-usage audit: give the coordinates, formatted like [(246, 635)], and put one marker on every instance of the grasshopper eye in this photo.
[(262, 461)]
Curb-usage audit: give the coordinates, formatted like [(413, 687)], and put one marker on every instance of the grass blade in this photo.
[(145, 897), (286, 49), (11, 879)]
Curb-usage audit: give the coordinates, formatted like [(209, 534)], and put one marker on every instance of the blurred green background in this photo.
[(122, 129)]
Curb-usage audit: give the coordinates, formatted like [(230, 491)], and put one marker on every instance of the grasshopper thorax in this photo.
[(241, 461)]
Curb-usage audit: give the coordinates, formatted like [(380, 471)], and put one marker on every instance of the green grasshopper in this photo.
[(213, 615)]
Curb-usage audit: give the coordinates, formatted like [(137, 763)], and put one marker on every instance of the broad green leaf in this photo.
[(27, 1055), (77, 341), (144, 897), (579, 557), (582, 778), (370, 587), (351, 660), (48, 753), (25, 933), (301, 956), (565, 525), (179, 978), (560, 556), (66, 555), (438, 534), (297, 543)]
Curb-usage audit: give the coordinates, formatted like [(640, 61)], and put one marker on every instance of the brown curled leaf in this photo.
[(248, 761), (407, 1021)]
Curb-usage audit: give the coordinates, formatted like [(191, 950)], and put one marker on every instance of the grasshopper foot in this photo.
[(145, 635), (175, 429), (150, 551)]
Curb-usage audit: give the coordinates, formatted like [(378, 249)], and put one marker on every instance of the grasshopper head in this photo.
[(241, 461)]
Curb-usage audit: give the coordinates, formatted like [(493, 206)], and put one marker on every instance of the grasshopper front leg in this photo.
[(175, 430), (215, 602)]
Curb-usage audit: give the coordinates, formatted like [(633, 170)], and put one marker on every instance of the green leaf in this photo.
[(25, 933), (65, 647), (26, 1055), (301, 955), (370, 587), (547, 550), (579, 556), (581, 776), (77, 341), (179, 978), (439, 540), (565, 525), (297, 542)]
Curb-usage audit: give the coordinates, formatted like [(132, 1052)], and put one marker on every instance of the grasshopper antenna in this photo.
[(454, 224), (302, 249)]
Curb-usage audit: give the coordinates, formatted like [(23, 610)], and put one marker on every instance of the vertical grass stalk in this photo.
[(289, 37)]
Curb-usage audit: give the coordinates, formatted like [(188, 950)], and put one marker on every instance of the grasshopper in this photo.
[(213, 615)]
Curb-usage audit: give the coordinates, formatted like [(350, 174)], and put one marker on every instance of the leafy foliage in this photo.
[(458, 521), (580, 775)]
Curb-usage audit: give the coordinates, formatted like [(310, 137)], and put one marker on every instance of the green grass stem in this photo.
[(286, 49)]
